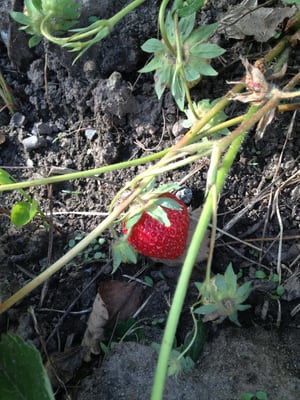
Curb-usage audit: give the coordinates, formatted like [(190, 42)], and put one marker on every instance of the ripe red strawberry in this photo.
[(154, 239)]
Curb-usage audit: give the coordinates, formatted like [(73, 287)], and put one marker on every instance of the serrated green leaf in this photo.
[(220, 283), (22, 375), (207, 50), (159, 214), (154, 64), (153, 46)]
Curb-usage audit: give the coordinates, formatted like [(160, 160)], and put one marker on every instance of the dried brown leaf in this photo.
[(122, 299), (95, 327), (246, 19), (61, 366)]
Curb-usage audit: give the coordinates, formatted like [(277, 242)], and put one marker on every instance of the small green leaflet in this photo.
[(168, 203), (190, 7), (5, 178), (122, 252), (167, 187), (159, 214), (22, 374), (133, 220)]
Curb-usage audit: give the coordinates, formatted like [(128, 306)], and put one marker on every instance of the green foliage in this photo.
[(183, 56), (22, 374), (57, 16), (129, 330), (259, 395), (273, 277), (24, 211), (122, 252), (201, 108), (91, 253), (222, 297)]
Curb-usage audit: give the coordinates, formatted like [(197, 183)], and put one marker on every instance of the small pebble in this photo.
[(17, 120), (33, 142), (185, 194), (90, 133)]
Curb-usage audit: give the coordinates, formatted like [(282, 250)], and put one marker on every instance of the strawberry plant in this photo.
[(45, 17), (183, 54)]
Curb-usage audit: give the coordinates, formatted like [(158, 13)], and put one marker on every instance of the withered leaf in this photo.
[(61, 366), (246, 19), (122, 299), (94, 332)]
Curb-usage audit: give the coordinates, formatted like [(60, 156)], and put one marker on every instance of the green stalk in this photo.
[(162, 26)]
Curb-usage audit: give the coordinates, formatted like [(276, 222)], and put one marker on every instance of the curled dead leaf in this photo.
[(122, 299), (94, 332)]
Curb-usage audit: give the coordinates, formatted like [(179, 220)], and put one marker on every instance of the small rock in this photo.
[(178, 129), (17, 120), (42, 128), (90, 133), (185, 194), (33, 142)]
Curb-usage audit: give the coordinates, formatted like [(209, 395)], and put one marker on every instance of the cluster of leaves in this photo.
[(57, 15), (222, 297), (91, 253), (183, 56), (278, 292), (201, 108)]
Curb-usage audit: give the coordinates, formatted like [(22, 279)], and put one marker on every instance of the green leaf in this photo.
[(205, 69), (207, 50), (153, 46), (168, 203), (230, 277), (243, 292), (260, 275), (190, 8), (191, 74), (186, 25), (5, 178), (159, 214), (34, 41), (177, 89), (130, 222), (22, 375), (155, 63), (280, 290), (201, 34), (21, 18), (23, 212), (37, 4), (162, 79), (206, 309), (167, 187), (122, 252)]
